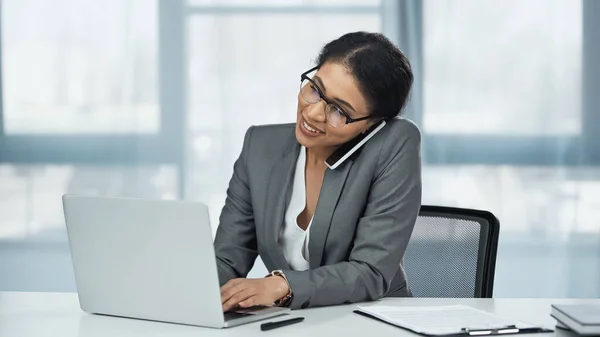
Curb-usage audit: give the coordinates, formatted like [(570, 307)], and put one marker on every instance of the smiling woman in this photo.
[(330, 236)]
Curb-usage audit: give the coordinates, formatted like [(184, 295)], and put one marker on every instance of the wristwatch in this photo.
[(284, 301)]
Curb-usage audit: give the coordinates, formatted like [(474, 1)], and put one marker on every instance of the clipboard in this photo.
[(509, 329)]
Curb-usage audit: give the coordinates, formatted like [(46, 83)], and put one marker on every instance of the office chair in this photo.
[(452, 253)]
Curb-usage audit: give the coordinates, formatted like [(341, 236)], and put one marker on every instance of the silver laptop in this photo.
[(149, 259)]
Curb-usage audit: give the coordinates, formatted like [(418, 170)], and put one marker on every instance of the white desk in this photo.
[(54, 314)]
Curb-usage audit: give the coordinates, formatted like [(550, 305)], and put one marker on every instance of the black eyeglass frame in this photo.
[(349, 119)]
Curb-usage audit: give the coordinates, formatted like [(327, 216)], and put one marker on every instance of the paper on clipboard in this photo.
[(441, 320)]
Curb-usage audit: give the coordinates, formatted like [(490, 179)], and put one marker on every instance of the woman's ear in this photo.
[(366, 128), (368, 125)]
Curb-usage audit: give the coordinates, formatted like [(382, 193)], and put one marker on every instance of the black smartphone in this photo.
[(346, 150)]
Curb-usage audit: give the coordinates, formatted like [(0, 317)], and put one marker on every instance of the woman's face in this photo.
[(339, 87)]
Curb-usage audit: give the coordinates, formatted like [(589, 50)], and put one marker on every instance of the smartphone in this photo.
[(346, 150)]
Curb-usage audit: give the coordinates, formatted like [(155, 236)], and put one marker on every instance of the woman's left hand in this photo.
[(246, 293)]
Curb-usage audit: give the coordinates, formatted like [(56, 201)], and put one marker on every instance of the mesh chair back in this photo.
[(452, 253)]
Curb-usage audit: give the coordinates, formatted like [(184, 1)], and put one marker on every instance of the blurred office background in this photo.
[(151, 98)]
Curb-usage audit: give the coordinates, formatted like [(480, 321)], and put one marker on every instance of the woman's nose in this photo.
[(316, 111)]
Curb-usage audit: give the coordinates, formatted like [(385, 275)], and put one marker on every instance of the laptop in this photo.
[(149, 259)]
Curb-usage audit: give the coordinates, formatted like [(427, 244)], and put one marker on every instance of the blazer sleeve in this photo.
[(382, 233), (235, 241)]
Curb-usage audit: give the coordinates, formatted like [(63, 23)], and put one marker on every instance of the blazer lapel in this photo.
[(278, 194), (333, 183)]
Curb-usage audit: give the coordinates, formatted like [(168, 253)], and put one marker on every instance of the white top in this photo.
[(38, 314), (293, 240)]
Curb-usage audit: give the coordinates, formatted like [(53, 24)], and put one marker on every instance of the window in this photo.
[(82, 109), (502, 112), (532, 112), (80, 83), (80, 67), (532, 50), (510, 125)]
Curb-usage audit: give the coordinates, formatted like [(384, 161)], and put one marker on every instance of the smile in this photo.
[(308, 129)]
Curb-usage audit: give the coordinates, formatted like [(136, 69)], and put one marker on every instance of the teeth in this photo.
[(309, 128)]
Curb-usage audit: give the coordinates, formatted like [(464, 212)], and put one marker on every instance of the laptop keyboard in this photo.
[(239, 313), (235, 315)]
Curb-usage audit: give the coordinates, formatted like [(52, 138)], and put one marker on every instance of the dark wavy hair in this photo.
[(383, 72)]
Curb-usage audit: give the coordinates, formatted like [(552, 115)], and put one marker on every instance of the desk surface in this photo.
[(56, 314)]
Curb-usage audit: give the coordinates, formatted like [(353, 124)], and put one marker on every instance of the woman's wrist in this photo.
[(282, 286)]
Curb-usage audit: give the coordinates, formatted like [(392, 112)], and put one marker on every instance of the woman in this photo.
[(329, 236)]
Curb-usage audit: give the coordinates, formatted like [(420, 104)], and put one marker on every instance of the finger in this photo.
[(229, 292), (231, 283), (237, 298), (251, 301)]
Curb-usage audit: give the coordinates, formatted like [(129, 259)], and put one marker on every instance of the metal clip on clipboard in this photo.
[(505, 330)]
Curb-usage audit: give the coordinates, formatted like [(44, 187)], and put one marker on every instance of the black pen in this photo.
[(279, 324)]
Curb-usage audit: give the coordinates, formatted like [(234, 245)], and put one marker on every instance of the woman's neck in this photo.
[(315, 156)]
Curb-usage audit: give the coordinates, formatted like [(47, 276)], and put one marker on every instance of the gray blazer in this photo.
[(364, 217)]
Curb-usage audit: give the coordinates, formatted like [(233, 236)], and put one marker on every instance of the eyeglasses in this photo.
[(311, 94)]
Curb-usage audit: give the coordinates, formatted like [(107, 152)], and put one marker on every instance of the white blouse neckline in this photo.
[(293, 240)]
